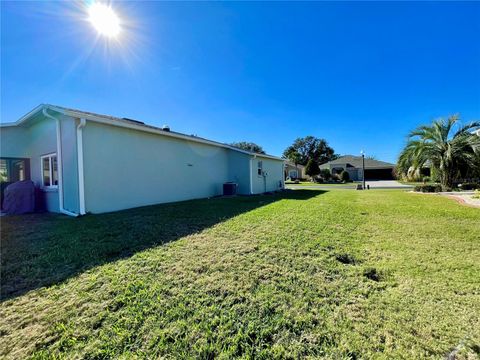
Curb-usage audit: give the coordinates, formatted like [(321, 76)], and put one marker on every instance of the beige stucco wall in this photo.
[(70, 167), (239, 170), (38, 138), (272, 181), (32, 142), (126, 168), (13, 142)]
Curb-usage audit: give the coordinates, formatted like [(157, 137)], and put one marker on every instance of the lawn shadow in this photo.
[(44, 249)]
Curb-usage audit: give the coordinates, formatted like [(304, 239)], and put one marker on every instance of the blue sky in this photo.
[(360, 75)]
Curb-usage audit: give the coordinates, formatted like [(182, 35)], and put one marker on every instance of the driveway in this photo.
[(387, 184), (321, 186)]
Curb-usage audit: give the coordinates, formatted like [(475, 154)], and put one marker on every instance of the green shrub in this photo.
[(345, 176), (426, 179), (428, 188), (325, 174), (434, 175), (312, 169)]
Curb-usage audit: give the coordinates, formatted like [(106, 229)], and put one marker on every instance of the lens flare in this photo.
[(104, 20)]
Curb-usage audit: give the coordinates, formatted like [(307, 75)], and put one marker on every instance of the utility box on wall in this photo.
[(230, 188)]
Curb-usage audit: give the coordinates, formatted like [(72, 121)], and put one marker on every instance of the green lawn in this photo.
[(333, 274)]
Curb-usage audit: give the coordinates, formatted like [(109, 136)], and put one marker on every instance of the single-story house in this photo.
[(84, 162), (293, 171), (374, 169)]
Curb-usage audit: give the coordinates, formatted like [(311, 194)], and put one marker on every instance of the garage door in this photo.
[(379, 174)]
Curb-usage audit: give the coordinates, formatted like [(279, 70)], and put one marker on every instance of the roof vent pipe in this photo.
[(166, 128)]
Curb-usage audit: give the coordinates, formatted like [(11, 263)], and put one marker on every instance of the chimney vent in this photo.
[(166, 128)]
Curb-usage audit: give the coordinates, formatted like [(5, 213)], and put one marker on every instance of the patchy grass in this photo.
[(337, 274)]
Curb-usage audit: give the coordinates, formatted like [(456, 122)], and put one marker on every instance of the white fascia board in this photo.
[(24, 117), (8, 124), (269, 157)]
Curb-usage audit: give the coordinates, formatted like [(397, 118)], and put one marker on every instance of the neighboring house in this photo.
[(374, 169), (293, 171), (85, 162)]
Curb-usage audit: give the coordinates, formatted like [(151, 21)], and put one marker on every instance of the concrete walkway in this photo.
[(464, 197)]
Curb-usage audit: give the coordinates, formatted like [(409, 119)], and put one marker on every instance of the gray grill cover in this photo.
[(19, 197)]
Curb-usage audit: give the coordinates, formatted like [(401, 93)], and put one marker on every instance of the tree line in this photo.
[(308, 151), (449, 149)]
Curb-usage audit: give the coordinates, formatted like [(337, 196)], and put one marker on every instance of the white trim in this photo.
[(251, 175), (261, 169), (24, 117), (81, 178), (50, 168)]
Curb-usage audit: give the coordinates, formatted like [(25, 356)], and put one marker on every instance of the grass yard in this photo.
[(336, 274)]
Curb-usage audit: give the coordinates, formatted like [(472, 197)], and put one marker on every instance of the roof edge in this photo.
[(25, 117), (114, 121), (381, 164)]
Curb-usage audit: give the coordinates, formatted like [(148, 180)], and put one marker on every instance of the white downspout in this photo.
[(251, 174), (60, 165), (81, 181)]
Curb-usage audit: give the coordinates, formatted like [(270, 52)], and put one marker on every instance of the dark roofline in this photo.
[(369, 163)]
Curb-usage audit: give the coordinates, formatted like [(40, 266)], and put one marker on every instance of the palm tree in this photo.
[(446, 151)]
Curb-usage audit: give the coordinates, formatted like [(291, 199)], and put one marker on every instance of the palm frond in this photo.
[(435, 145), (468, 128)]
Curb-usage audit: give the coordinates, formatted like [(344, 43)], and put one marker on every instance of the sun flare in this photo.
[(104, 20)]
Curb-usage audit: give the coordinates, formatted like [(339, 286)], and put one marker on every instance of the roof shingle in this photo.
[(356, 161)]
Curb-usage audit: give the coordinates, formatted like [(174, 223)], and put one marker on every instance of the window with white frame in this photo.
[(49, 171), (259, 168)]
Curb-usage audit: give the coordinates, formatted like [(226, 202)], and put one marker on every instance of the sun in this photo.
[(104, 20)]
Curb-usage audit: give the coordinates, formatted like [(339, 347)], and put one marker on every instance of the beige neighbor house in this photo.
[(374, 169), (84, 162), (293, 171)]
